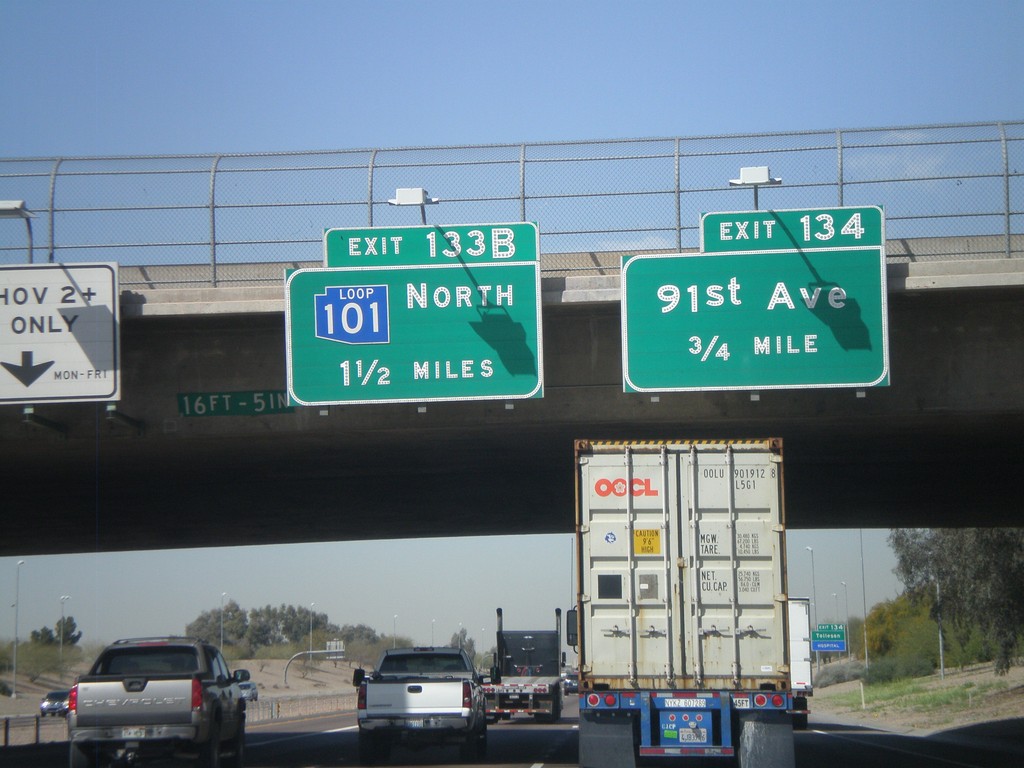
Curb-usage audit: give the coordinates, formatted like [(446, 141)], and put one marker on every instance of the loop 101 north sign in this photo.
[(413, 333)]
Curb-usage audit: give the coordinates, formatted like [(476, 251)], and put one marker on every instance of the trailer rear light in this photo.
[(609, 700), (778, 700), (467, 695), (593, 700), (361, 697), (760, 700), (73, 699)]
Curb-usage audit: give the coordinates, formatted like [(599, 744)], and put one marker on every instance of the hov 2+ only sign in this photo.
[(59, 333), (804, 312), (417, 314)]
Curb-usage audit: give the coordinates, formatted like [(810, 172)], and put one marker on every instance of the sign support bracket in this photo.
[(31, 417), (115, 415)]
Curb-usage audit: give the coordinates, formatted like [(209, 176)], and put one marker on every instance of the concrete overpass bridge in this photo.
[(940, 446)]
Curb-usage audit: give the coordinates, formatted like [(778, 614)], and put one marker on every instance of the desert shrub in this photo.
[(838, 672), (890, 668)]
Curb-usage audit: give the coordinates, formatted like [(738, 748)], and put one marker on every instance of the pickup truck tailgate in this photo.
[(134, 701), (414, 696)]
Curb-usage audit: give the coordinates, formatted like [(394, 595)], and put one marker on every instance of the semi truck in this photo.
[(526, 674), (800, 670), (681, 618)]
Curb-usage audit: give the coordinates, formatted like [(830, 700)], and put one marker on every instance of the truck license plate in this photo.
[(693, 734), (133, 733)]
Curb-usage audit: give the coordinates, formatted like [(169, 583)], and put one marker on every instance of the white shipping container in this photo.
[(682, 564)]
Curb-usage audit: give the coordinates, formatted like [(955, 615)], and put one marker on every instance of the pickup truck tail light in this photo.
[(73, 699), (361, 697), (197, 693), (467, 695)]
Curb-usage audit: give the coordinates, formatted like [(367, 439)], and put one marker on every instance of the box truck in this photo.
[(681, 619)]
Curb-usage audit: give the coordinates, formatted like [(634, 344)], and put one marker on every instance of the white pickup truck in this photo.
[(421, 697)]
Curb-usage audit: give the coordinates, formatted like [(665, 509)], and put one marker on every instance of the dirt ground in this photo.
[(977, 695)]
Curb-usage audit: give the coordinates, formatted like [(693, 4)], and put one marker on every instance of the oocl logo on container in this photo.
[(641, 486)]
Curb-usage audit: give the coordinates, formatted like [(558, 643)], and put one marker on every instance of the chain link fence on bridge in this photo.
[(950, 192)]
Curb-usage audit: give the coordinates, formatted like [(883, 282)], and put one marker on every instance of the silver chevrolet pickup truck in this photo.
[(158, 697), (421, 697)]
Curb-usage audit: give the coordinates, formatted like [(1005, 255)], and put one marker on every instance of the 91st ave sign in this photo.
[(788, 299), (414, 334), (746, 321)]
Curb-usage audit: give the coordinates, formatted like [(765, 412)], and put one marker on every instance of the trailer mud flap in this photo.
[(607, 740), (766, 740)]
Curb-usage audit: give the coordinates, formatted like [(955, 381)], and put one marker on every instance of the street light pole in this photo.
[(60, 670), (311, 627), (938, 615), (846, 614), (222, 596), (394, 629), (814, 590), (814, 603), (17, 599), (864, 597)]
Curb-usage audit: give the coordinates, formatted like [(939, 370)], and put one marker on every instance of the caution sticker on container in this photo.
[(647, 541)]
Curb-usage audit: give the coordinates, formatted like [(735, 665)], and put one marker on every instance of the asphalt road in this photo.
[(329, 741)]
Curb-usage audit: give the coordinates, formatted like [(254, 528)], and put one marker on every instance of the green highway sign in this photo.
[(829, 637), (830, 228), (406, 333), (431, 245), (749, 320)]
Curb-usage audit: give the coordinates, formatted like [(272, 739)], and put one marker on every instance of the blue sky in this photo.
[(123, 77)]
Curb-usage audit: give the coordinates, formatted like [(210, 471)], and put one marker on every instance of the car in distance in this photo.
[(249, 691), (54, 703)]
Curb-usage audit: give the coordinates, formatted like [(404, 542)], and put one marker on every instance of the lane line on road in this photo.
[(912, 753), (293, 737)]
